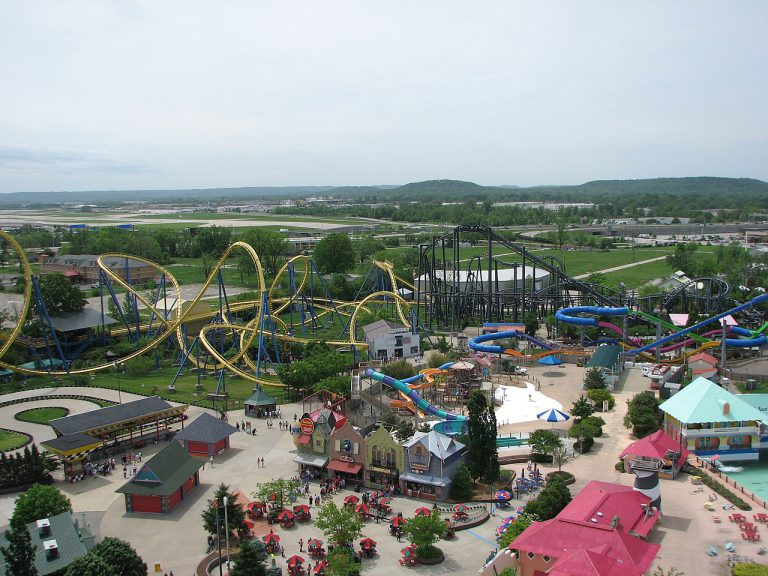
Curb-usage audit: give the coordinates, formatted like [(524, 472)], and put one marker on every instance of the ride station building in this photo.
[(163, 481), (206, 436)]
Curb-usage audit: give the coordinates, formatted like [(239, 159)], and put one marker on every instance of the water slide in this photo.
[(569, 316), (477, 345), (619, 331), (421, 404)]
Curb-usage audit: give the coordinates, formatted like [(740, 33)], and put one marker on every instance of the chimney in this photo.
[(44, 527), (726, 407), (51, 549)]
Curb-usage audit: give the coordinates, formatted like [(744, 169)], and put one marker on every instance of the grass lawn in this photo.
[(11, 440), (157, 384), (639, 275), (42, 415)]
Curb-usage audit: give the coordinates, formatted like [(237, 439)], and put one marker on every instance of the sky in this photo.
[(142, 94)]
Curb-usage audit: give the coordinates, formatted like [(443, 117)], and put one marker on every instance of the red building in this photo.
[(206, 436), (163, 481), (594, 535), (657, 451)]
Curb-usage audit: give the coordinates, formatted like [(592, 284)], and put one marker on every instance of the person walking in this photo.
[(210, 461), (301, 544)]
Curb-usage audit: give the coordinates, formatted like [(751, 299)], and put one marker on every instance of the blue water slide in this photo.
[(418, 401), (565, 314), (477, 345)]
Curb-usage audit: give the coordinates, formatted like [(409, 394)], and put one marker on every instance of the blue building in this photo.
[(431, 460)]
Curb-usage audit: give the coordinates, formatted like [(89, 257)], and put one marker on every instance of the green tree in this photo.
[(270, 245), (235, 514), (120, 557), (424, 531), (461, 489), (276, 490), (553, 498), (249, 560), (584, 432), (559, 457), (482, 452), (60, 295), (643, 414), (342, 526), (543, 441), (89, 565), (337, 384), (404, 430), (40, 502), (398, 369), (19, 555), (594, 379), (341, 562), (582, 408), (516, 528), (334, 253), (531, 322)]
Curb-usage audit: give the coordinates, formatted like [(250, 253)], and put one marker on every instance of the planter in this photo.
[(566, 476), (431, 561)]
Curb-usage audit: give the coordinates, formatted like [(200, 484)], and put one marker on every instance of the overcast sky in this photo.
[(193, 94)]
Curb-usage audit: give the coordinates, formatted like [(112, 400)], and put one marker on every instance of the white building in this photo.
[(387, 340), (509, 279)]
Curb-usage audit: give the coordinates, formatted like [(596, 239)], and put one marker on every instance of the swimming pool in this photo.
[(754, 477)]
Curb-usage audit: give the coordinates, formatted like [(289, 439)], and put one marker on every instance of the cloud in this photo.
[(15, 159)]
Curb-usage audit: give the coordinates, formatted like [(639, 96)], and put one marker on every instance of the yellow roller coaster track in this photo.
[(247, 333)]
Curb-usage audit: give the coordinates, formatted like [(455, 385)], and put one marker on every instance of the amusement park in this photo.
[(492, 402)]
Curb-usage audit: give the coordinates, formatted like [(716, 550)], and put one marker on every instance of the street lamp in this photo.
[(226, 528)]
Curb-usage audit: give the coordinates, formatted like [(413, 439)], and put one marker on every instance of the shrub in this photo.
[(141, 366), (619, 466), (750, 570), (585, 446), (429, 552), (722, 490), (600, 395), (594, 379)]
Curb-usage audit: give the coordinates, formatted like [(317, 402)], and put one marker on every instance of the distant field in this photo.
[(639, 275), (246, 217)]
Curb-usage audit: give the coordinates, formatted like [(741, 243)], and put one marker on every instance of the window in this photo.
[(346, 446), (546, 558), (531, 555)]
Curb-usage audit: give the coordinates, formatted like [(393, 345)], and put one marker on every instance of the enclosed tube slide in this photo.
[(567, 315), (417, 400)]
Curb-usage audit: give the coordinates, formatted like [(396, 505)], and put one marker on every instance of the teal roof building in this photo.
[(708, 420)]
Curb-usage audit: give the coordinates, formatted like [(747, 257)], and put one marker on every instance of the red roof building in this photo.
[(606, 504), (658, 449), (595, 535), (702, 362)]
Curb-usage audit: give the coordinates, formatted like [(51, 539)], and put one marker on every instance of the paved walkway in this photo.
[(622, 267)]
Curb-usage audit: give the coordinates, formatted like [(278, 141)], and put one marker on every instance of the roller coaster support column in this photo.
[(489, 283), (658, 337), (722, 348)]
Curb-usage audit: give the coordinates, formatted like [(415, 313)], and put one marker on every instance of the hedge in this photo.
[(722, 490)]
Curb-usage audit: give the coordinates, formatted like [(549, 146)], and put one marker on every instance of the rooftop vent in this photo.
[(51, 549), (593, 520), (600, 514), (44, 527)]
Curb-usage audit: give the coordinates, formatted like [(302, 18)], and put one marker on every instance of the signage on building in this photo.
[(381, 470), (419, 467), (307, 426), (345, 458)]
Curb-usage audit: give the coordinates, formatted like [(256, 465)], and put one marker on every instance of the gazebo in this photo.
[(259, 404)]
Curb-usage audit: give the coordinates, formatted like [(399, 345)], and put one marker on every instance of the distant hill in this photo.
[(706, 189)]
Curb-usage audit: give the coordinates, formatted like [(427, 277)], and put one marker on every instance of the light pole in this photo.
[(226, 528), (119, 388), (218, 534)]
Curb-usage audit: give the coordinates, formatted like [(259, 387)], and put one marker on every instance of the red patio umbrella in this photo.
[(460, 508), (255, 504), (321, 567), (397, 521), (368, 543), (351, 499), (362, 509), (376, 494), (384, 501), (285, 515), (271, 537), (295, 560), (314, 543), (408, 551), (422, 512), (301, 509)]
